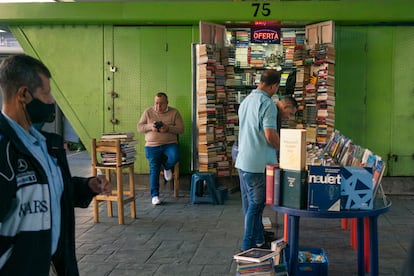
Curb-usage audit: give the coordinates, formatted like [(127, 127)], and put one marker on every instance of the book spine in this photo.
[(276, 181), (270, 183)]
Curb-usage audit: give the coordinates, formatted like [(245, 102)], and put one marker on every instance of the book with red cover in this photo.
[(272, 184)]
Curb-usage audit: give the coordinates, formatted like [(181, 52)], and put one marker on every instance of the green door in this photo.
[(149, 60), (350, 83), (375, 88), (401, 162), (379, 90)]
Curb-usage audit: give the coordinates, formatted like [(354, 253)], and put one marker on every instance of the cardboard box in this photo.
[(293, 188), (324, 190), (356, 188), (292, 149)]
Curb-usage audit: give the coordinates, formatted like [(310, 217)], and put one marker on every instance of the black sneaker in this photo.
[(266, 245), (269, 236)]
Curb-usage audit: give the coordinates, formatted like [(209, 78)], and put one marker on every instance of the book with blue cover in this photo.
[(357, 188), (324, 191)]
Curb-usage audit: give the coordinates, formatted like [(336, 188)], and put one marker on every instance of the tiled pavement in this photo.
[(177, 238)]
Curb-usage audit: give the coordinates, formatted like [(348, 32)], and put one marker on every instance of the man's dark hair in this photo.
[(162, 94), (270, 77), (289, 100), (21, 70)]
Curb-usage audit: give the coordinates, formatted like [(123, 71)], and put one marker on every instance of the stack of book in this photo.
[(310, 93), (289, 44), (242, 49), (206, 104), (299, 87), (324, 69), (228, 56), (220, 83), (211, 109), (257, 56), (127, 144), (255, 261), (232, 120), (221, 163)]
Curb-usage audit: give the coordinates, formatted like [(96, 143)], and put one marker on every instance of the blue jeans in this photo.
[(245, 204), (165, 155), (253, 187)]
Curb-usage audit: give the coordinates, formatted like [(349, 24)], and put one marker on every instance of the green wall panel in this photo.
[(74, 57), (379, 89), (375, 88), (179, 79), (403, 103), (350, 82), (127, 82)]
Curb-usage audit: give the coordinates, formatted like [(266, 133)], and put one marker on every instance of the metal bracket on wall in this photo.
[(112, 69), (114, 95)]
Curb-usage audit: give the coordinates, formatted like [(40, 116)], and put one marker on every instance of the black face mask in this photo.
[(40, 112)]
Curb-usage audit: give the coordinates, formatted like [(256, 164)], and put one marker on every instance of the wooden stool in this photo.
[(176, 178), (118, 195)]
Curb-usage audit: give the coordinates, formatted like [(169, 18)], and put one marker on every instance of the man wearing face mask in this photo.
[(37, 192)]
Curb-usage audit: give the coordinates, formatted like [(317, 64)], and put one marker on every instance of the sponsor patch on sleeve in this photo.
[(26, 178)]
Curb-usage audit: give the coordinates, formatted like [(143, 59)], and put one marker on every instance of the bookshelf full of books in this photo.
[(226, 75), (212, 108)]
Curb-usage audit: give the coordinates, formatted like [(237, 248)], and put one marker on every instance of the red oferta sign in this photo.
[(265, 35)]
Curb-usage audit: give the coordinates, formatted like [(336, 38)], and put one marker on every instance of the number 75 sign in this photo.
[(261, 9)]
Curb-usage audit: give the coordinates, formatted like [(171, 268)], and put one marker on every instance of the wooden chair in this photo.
[(176, 178), (118, 195)]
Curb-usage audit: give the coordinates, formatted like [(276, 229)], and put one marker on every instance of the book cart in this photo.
[(294, 216), (350, 176)]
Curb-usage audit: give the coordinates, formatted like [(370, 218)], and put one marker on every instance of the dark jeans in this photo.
[(245, 204), (253, 187), (164, 155)]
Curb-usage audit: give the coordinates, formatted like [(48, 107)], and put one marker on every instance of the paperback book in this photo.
[(117, 135), (255, 255), (264, 268)]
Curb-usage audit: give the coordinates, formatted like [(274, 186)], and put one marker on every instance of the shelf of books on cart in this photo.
[(355, 161), (340, 176), (127, 144)]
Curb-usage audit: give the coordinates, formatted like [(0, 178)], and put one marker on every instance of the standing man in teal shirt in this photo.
[(258, 141)]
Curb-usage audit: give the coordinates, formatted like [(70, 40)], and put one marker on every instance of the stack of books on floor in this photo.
[(127, 144), (256, 261)]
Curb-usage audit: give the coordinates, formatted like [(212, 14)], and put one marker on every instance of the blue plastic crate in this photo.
[(314, 268)]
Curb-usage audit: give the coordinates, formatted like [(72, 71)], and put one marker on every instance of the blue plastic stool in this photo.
[(214, 194)]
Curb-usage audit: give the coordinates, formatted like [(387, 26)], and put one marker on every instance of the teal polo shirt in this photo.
[(256, 113)]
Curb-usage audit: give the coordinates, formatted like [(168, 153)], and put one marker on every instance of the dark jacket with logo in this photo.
[(25, 218)]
